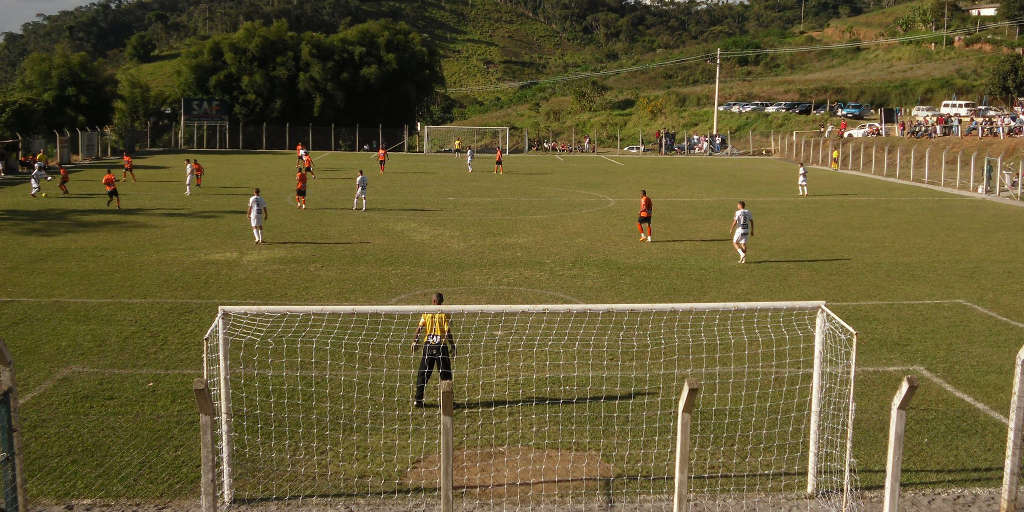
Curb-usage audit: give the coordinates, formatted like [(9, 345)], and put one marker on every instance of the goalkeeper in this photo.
[(438, 347)]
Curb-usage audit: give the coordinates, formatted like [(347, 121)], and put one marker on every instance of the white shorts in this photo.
[(361, 192), (802, 181), (256, 221), (740, 237)]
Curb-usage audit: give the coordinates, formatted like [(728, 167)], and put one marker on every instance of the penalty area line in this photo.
[(612, 161)]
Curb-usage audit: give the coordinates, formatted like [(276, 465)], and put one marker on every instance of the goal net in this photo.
[(554, 405), (483, 139)]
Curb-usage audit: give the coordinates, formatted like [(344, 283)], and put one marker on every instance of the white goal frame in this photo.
[(427, 135), (221, 371)]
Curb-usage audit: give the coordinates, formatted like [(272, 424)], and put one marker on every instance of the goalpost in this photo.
[(483, 139), (553, 404)]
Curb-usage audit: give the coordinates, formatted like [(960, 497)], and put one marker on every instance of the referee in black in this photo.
[(438, 348)]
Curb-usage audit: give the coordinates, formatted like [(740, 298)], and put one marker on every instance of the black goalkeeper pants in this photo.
[(433, 355)]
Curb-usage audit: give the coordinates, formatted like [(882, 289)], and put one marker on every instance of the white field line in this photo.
[(612, 161), (559, 158), (323, 155), (961, 395), (47, 384), (992, 314), (894, 302)]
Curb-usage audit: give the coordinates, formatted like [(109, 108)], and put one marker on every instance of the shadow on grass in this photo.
[(59, 221), (821, 260), (314, 243), (695, 240), (543, 400)]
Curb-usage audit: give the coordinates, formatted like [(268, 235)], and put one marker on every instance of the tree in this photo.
[(135, 106), (75, 89), (1006, 78), (1012, 10), (140, 47)]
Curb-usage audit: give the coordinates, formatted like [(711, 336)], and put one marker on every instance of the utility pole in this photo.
[(718, 71), (945, 22), (802, 2)]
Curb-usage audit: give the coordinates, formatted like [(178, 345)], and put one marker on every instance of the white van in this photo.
[(958, 108)]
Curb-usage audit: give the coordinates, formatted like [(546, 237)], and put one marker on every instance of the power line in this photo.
[(732, 54)]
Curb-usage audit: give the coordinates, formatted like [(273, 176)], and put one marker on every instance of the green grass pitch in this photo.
[(105, 310)]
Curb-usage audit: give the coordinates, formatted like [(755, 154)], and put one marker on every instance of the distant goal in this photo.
[(554, 405), (483, 139)]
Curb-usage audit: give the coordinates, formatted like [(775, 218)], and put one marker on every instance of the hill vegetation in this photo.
[(440, 60)]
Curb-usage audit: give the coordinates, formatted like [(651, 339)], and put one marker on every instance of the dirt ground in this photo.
[(951, 500)]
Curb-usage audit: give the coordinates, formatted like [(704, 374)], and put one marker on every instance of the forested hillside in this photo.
[(434, 60)]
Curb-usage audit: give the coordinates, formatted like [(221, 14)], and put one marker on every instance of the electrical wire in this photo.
[(710, 57)]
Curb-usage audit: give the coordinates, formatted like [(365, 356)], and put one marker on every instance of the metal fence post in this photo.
[(898, 151), (958, 155)]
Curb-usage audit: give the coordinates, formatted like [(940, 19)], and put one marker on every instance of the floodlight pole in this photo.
[(718, 70)]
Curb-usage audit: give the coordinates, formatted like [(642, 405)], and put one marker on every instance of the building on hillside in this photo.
[(982, 9)]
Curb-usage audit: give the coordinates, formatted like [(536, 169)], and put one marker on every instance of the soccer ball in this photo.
[(44, 194)]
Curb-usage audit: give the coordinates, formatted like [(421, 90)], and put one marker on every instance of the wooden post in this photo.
[(885, 160), (1011, 465), (912, 151), (894, 460), (973, 155), (287, 135), (208, 450), (942, 174), (7, 382), (447, 410), (898, 150), (958, 155), (357, 139), (927, 156), (874, 149), (332, 137), (771, 137), (310, 143), (750, 134), (862, 157), (680, 501), (264, 136)]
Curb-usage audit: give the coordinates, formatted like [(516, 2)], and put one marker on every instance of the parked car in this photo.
[(635, 149), (820, 110), (777, 107), (757, 106), (856, 110), (923, 111), (958, 108), (739, 106), (989, 111), (803, 109), (862, 130), (730, 105)]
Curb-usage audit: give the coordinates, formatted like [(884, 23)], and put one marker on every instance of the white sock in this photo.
[(355, 202), (256, 234), (364, 203), (740, 251)]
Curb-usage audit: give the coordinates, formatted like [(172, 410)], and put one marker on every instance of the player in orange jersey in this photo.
[(198, 171), (64, 179), (307, 165), (498, 167), (129, 168), (382, 157), (300, 190), (646, 210), (110, 181)]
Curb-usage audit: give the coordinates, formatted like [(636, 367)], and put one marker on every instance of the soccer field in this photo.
[(105, 310)]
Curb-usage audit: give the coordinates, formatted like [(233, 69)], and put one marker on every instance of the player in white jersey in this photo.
[(360, 190), (189, 173), (469, 159), (37, 177), (257, 213), (742, 229), (801, 181)]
